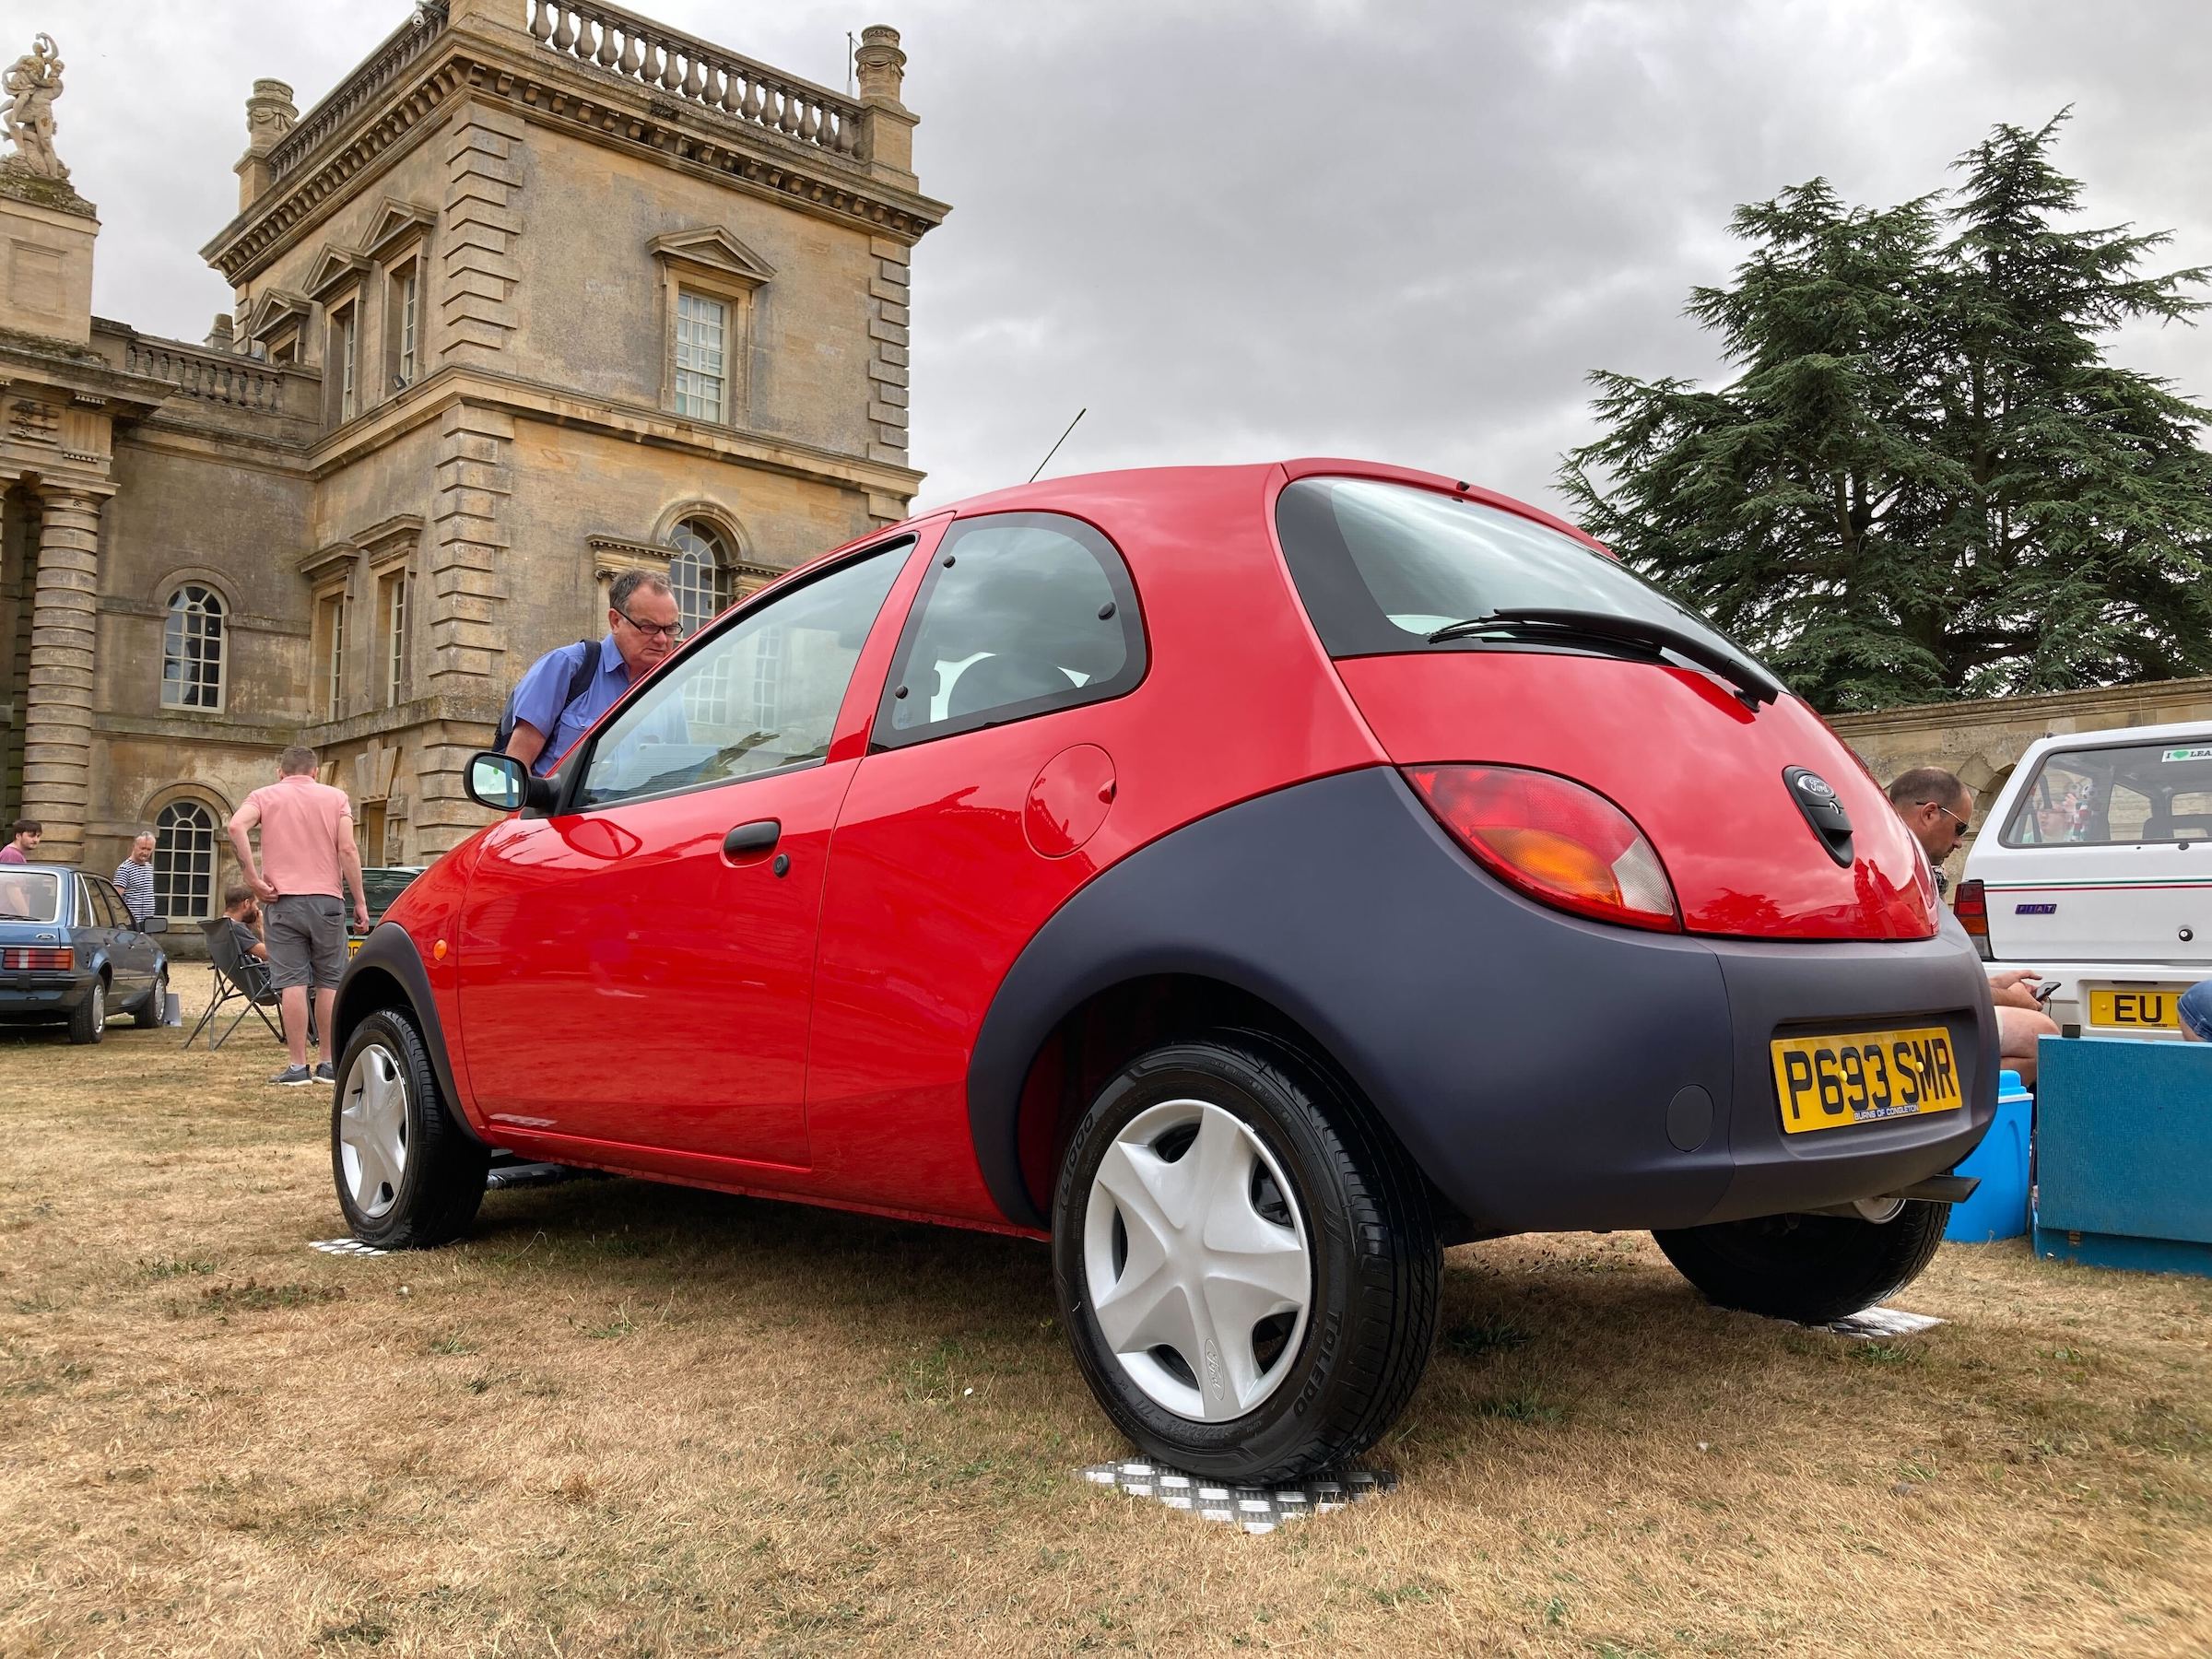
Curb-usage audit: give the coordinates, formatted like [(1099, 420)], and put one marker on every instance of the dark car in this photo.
[(380, 884), (69, 952), (1248, 880)]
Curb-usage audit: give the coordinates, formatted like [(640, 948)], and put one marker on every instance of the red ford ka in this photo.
[(1250, 879)]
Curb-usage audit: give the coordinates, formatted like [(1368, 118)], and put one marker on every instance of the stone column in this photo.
[(57, 726), (890, 140)]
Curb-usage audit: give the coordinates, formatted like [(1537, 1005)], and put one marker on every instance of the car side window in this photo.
[(755, 696), (1021, 614), (107, 904), (86, 915)]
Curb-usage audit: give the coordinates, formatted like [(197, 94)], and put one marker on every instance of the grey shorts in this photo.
[(306, 936)]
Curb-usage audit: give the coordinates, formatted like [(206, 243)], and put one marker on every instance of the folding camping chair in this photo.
[(237, 978)]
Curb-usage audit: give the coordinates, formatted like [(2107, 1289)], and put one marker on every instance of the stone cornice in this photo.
[(573, 98), (428, 398), (2011, 711), (436, 709)]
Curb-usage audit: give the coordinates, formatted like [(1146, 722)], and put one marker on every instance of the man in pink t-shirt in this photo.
[(307, 859)]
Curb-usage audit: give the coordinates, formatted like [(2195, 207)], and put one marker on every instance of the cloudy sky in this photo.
[(1238, 230)]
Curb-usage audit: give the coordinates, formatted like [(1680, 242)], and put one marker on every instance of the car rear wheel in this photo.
[(156, 1003), (1809, 1268), (88, 1019), (1249, 1272), (408, 1176)]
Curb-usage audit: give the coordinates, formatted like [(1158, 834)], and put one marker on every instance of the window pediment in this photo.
[(336, 267), (713, 252), (272, 311), (395, 223), (327, 562)]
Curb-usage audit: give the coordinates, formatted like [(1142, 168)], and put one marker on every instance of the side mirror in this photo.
[(504, 784), (154, 924)]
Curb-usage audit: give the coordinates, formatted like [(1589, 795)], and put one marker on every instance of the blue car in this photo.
[(70, 953)]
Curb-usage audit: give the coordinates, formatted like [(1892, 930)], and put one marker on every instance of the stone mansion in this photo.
[(541, 292)]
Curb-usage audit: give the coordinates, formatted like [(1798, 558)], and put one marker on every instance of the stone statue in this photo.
[(32, 83)]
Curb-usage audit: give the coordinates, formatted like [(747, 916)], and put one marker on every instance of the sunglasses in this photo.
[(671, 632), (1963, 825)]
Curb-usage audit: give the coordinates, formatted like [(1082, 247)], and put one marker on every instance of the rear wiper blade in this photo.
[(1750, 681)]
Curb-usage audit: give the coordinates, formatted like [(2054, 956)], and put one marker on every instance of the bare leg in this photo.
[(327, 1009), (294, 998), (2018, 1033)]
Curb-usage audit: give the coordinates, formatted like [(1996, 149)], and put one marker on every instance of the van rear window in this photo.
[(2128, 794)]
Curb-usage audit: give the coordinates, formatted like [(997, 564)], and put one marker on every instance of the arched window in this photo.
[(699, 572), (184, 860), (192, 650)]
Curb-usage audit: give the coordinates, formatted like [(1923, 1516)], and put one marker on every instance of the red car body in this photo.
[(882, 1013)]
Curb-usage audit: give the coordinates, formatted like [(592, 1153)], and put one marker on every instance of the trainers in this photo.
[(327, 1072), (294, 1077)]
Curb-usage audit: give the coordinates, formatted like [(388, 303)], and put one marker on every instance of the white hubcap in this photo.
[(372, 1130), (1196, 1261)]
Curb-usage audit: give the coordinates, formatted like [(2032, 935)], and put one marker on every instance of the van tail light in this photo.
[(1558, 841), (39, 958), (1971, 908)]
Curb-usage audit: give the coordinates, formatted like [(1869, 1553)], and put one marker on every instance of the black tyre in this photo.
[(1249, 1272), (409, 1176), (156, 1004), (88, 1019), (1808, 1268)]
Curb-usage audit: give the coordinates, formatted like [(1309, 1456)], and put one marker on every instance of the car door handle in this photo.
[(756, 837)]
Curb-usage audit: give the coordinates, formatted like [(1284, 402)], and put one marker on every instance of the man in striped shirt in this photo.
[(135, 878)]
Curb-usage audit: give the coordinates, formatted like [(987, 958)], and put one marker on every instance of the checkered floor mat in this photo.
[(353, 1247), (1884, 1321), (1255, 1509)]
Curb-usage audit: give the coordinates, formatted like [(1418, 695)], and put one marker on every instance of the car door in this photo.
[(635, 967), (94, 935), (130, 952), (992, 768)]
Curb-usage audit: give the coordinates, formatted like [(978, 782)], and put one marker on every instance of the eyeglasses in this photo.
[(1963, 825), (671, 632)]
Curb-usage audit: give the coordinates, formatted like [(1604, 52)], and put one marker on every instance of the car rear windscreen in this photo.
[(28, 896), (2128, 794), (1381, 566)]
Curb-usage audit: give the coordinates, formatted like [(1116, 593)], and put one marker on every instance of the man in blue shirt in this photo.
[(643, 625)]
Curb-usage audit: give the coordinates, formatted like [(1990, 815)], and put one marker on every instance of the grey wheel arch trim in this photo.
[(389, 950)]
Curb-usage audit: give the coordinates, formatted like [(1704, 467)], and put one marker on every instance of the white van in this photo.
[(2094, 868)]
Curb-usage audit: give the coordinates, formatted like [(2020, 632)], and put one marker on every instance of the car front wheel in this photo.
[(156, 1005), (1809, 1268), (1248, 1273), (409, 1176)]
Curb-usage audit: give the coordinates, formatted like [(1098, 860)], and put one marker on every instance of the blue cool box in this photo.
[(2123, 1153), (1999, 1207)]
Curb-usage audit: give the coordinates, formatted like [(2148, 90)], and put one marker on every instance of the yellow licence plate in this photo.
[(352, 945), (2138, 1007), (1862, 1077)]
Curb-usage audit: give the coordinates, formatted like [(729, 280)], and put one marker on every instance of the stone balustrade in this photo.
[(209, 375), (376, 72), (690, 71)]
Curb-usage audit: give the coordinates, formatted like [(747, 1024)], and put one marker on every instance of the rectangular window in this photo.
[(346, 361), (701, 372), (2126, 794), (391, 617), (331, 626), (403, 307)]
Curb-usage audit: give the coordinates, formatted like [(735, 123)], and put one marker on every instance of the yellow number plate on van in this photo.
[(2138, 1007), (1862, 1077)]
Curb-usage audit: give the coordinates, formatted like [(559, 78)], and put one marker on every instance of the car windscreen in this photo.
[(29, 895), (1381, 567), (2126, 794)]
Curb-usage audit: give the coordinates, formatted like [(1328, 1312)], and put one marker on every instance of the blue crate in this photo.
[(2123, 1153), (1999, 1207)]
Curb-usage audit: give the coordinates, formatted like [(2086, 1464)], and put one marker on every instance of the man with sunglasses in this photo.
[(644, 627), (1937, 808)]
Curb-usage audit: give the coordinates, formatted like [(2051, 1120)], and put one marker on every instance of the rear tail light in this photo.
[(1971, 908), (39, 958), (1555, 841)]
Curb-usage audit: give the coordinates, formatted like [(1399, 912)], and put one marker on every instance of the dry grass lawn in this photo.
[(632, 1420)]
